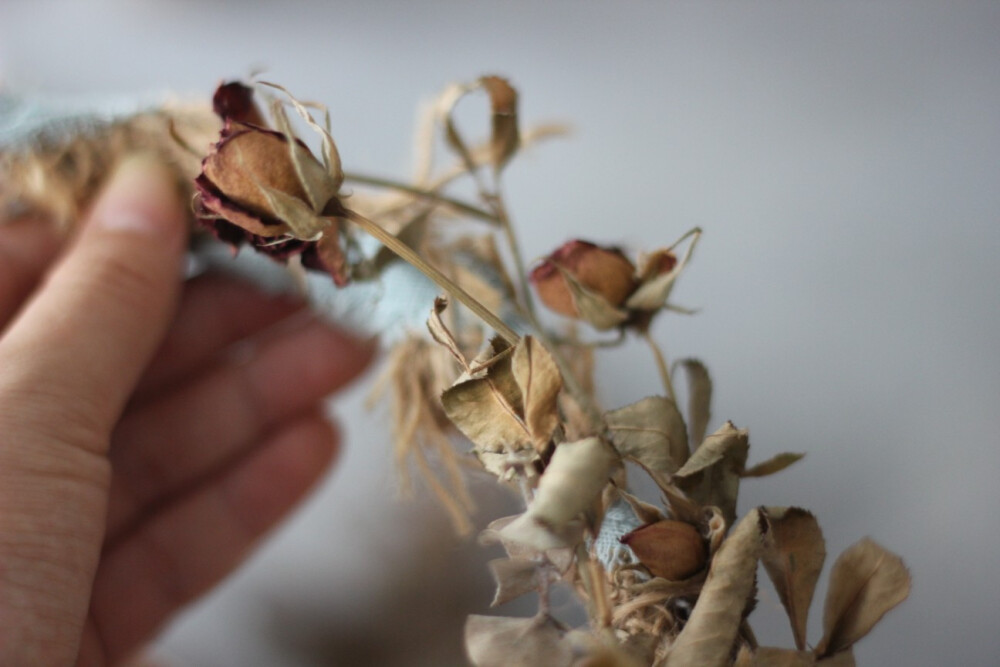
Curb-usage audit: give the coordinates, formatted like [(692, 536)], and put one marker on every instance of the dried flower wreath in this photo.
[(669, 584)]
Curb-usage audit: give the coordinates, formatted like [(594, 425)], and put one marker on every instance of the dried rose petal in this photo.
[(603, 271), (674, 550), (234, 101)]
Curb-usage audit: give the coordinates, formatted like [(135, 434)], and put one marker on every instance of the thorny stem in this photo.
[(444, 282), (458, 205), (661, 365)]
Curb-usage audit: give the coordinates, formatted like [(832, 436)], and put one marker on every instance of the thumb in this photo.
[(84, 340)]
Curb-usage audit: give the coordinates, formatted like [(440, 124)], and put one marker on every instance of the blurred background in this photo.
[(844, 162)]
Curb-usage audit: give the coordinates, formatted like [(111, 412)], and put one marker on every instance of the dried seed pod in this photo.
[(671, 549), (605, 272)]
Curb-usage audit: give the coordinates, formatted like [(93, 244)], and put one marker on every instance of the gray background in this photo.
[(843, 159)]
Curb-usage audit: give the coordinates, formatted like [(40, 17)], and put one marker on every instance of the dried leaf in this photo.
[(712, 475), (538, 378), (774, 464), (572, 483), (440, 332), (495, 641), (866, 582), (651, 432), (708, 637), (573, 480), (514, 577), (699, 399), (793, 557), (645, 512), (505, 138), (486, 408)]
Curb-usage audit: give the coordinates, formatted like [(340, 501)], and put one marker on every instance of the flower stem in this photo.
[(458, 205), (444, 282), (661, 365)]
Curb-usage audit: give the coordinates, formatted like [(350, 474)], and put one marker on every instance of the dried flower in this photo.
[(584, 280), (671, 549), (264, 187)]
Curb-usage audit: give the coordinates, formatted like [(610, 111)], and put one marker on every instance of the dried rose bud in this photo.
[(670, 549), (261, 187), (603, 271)]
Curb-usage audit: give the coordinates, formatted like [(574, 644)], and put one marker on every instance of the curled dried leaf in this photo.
[(793, 557), (712, 475), (699, 399), (537, 376), (486, 407), (572, 484), (504, 138), (866, 582), (708, 638)]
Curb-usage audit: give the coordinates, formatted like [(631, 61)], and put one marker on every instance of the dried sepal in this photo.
[(496, 641), (699, 385), (650, 431), (865, 583), (708, 638), (793, 557), (776, 463), (514, 577), (657, 283), (711, 476), (537, 376)]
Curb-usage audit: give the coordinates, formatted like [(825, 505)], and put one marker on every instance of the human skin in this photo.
[(151, 430)]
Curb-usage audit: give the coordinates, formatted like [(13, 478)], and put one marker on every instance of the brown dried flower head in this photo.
[(671, 549), (264, 187), (604, 272)]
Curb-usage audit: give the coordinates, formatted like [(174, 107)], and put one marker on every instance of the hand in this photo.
[(140, 458)]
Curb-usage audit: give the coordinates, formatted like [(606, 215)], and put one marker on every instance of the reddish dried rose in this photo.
[(670, 549), (601, 272), (265, 188)]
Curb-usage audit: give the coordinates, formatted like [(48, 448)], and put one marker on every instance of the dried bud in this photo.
[(670, 549), (605, 272), (266, 188)]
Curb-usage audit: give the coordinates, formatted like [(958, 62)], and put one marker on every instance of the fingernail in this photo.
[(141, 197)]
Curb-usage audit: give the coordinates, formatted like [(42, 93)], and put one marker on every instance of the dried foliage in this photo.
[(663, 584)]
